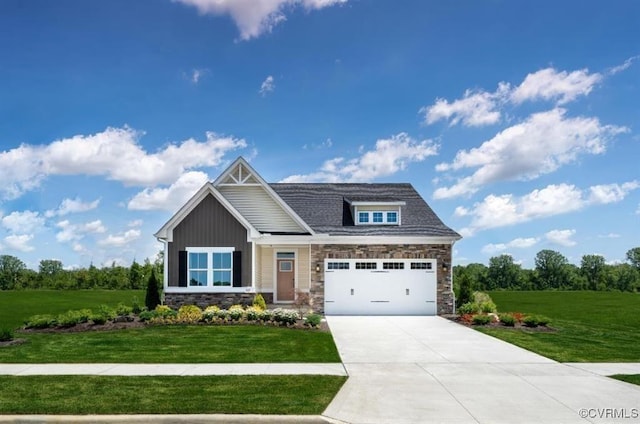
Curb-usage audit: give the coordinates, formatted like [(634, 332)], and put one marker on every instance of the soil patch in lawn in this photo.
[(13, 342)]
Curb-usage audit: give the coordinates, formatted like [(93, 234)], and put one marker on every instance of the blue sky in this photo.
[(516, 121)]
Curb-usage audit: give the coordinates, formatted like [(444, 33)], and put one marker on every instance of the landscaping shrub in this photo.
[(467, 318), (40, 321), (107, 312), (507, 320), (135, 305), (469, 308), (98, 319), (266, 315), (152, 296), (285, 316), (68, 319), (236, 312), (209, 314), (146, 316), (484, 302), (222, 314), (530, 321), (253, 313), (123, 310), (189, 314), (542, 320), (258, 302), (313, 320), (465, 292), (481, 319), (6, 335), (163, 311)]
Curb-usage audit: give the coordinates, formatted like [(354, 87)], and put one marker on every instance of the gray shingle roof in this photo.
[(325, 208)]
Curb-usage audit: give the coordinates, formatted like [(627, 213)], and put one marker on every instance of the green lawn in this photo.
[(177, 344), (632, 378), (591, 326), (18, 305), (81, 395)]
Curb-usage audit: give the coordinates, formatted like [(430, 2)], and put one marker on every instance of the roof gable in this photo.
[(250, 194)]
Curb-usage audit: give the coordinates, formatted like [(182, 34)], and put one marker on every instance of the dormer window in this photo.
[(377, 218), (382, 211)]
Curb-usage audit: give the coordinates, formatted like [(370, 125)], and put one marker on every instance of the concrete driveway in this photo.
[(431, 370)]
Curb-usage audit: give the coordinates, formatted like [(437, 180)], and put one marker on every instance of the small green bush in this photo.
[(209, 314), (163, 311), (543, 321), (530, 321), (68, 319), (488, 307), (123, 310), (507, 320), (107, 312), (258, 302), (236, 312), (266, 315), (469, 308), (6, 335), (481, 319), (285, 316), (222, 314), (253, 313), (313, 320), (135, 305), (98, 319), (146, 315), (40, 321), (189, 314)]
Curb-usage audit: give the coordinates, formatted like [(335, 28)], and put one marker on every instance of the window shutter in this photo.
[(182, 268), (237, 268)]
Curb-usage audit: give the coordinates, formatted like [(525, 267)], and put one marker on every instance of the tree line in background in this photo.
[(51, 274), (552, 272)]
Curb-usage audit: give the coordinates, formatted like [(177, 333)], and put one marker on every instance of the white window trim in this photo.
[(210, 287)]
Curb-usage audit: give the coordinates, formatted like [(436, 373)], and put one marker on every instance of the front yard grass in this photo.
[(591, 326), (628, 378), (176, 344), (81, 395)]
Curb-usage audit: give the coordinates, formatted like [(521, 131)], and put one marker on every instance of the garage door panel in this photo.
[(398, 291)]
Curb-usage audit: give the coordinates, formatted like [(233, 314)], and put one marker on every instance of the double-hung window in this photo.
[(210, 267)]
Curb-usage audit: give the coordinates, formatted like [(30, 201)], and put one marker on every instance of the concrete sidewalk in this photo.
[(174, 369)]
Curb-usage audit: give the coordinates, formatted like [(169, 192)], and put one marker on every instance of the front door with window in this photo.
[(285, 275)]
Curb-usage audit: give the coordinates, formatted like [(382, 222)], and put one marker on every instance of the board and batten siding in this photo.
[(260, 209), (209, 225)]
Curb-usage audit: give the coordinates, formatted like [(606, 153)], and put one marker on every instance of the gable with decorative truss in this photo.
[(250, 195)]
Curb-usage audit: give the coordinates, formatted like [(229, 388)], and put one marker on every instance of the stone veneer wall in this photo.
[(440, 252), (202, 300)]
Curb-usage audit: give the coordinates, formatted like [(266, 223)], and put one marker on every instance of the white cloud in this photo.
[(170, 198), (196, 75), (611, 193), (72, 206), (121, 239), (500, 211), (561, 237), (610, 235), (23, 222), (390, 156), (476, 108), (549, 84), (19, 242), (537, 146), (135, 223), (267, 86), (255, 17), (74, 232), (115, 154), (627, 63), (519, 243), (479, 107)]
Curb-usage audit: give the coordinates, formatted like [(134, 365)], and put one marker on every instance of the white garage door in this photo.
[(380, 287)]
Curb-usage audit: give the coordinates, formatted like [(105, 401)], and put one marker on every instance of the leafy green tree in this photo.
[(551, 269), (11, 270), (633, 256), (152, 297), (465, 290), (503, 273), (136, 276), (592, 267)]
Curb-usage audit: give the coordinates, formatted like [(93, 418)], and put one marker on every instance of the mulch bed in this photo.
[(517, 327)]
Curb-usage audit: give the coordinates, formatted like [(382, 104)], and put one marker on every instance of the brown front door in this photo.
[(286, 279)]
